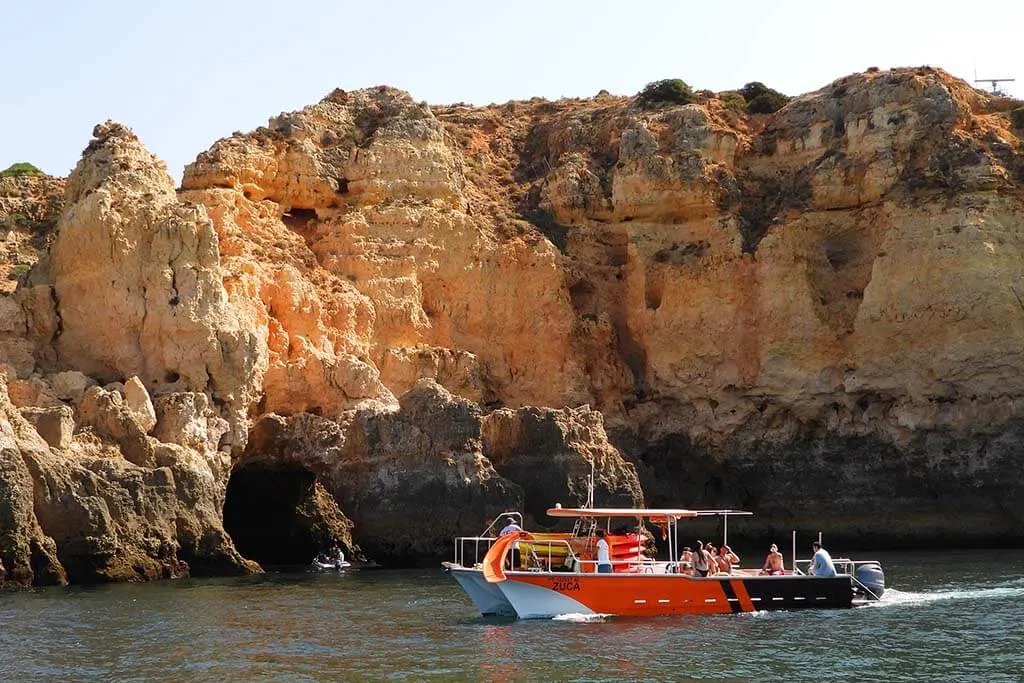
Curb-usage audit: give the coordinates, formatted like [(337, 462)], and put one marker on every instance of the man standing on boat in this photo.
[(821, 563), (510, 528), (604, 558)]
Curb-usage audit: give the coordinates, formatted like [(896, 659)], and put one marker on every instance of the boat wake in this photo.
[(581, 618), (894, 597)]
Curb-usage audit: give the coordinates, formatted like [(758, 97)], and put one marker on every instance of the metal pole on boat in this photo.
[(794, 550), (725, 528), (670, 525)]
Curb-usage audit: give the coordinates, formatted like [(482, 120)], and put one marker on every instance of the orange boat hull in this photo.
[(548, 594)]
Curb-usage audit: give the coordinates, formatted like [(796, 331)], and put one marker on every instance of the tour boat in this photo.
[(557, 574)]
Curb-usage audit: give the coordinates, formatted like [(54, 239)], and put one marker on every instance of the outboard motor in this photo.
[(870, 576)]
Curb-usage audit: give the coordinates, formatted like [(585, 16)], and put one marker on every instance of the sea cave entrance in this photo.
[(269, 513)]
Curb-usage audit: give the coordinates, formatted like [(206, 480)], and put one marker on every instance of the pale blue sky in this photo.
[(183, 74)]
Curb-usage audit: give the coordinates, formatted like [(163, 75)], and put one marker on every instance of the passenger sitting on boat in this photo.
[(686, 562), (650, 550), (702, 561), (773, 562), (726, 559), (604, 561), (712, 559), (821, 563), (510, 528)]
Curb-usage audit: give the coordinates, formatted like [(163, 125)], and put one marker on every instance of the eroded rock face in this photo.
[(188, 419), (138, 285), (106, 412), (410, 480), (85, 514), (56, 425), (27, 554), (388, 277), (553, 454), (29, 207)]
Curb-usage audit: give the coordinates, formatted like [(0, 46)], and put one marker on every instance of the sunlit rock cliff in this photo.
[(382, 323)]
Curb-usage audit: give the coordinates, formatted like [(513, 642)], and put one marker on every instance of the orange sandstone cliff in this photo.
[(382, 322)]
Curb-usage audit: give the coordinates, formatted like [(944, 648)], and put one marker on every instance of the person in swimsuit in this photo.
[(773, 562), (702, 560), (726, 559), (686, 562), (712, 552)]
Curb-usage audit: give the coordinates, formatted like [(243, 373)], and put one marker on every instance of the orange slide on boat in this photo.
[(494, 560)]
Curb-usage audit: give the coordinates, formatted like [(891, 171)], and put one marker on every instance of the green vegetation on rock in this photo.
[(19, 169), (668, 91), (761, 99), (733, 100), (1017, 117)]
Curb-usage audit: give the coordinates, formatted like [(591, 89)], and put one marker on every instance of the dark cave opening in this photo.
[(266, 514)]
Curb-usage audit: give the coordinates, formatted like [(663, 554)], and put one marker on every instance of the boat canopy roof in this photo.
[(639, 512)]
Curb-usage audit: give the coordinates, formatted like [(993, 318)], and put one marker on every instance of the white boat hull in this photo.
[(487, 597)]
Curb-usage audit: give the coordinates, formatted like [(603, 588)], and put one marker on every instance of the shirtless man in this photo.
[(773, 563), (726, 559)]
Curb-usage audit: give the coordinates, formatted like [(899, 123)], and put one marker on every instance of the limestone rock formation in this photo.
[(29, 207), (56, 424), (413, 478), (387, 276), (553, 454), (815, 314), (86, 514), (139, 404), (410, 480), (27, 555), (138, 285)]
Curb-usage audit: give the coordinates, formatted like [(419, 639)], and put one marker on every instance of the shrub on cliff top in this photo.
[(668, 91), (761, 99), (733, 100), (19, 169), (1017, 117)]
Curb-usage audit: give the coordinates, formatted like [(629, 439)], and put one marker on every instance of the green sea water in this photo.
[(946, 617)]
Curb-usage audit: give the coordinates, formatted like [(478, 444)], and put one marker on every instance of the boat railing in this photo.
[(482, 543), (844, 565), (474, 547), (548, 554)]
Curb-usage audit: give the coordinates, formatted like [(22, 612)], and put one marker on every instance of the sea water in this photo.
[(945, 617)]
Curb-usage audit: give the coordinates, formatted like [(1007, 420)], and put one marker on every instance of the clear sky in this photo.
[(183, 74)]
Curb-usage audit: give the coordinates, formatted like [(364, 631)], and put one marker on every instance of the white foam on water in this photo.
[(581, 618), (893, 597)]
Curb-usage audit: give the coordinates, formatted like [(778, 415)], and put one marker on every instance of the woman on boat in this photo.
[(686, 562), (702, 560)]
